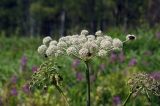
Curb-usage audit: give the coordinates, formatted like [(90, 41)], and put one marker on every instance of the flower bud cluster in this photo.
[(83, 46), (144, 83)]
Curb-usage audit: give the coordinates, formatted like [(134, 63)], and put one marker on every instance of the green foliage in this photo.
[(108, 83)]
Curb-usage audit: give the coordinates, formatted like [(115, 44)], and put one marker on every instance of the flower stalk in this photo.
[(88, 82), (62, 94), (130, 94)]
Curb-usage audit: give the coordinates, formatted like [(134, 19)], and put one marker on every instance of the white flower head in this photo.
[(74, 41), (47, 40), (105, 44), (62, 45), (99, 33), (75, 36), (53, 42), (90, 37), (130, 37), (63, 39), (71, 50), (82, 40), (51, 50), (102, 53), (83, 53), (59, 53), (99, 39), (84, 32), (82, 36), (42, 49), (117, 43), (108, 38), (91, 46)]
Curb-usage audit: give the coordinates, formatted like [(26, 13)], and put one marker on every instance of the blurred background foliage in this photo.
[(60, 17)]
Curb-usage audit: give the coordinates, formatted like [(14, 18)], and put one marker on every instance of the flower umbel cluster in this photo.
[(83, 46), (142, 82)]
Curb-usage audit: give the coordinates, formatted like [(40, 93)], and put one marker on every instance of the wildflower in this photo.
[(132, 62), (130, 37), (116, 100), (113, 57), (14, 79), (71, 51), (14, 92), (99, 33), (53, 42), (117, 44), (121, 57), (75, 63), (84, 32), (42, 49), (79, 76), (25, 88), (47, 40), (23, 63), (144, 82), (155, 75), (84, 53), (105, 44), (59, 53), (34, 69), (51, 50), (90, 37), (61, 45), (23, 60), (81, 46), (102, 53), (108, 38), (99, 39)]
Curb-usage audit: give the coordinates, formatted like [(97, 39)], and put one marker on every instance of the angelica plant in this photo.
[(82, 46), (143, 83)]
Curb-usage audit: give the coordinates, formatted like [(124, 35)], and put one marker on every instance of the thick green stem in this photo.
[(127, 98), (63, 95), (88, 83)]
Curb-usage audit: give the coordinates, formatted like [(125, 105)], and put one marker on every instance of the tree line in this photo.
[(48, 17)]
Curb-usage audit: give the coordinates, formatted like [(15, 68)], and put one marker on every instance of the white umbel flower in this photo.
[(71, 51), (47, 40), (117, 43), (84, 32), (82, 40), (42, 49), (102, 53), (62, 45), (62, 39), (99, 39), (53, 42), (90, 37), (83, 53), (108, 38), (105, 44), (130, 37), (59, 53), (74, 41), (99, 33), (91, 46), (51, 50)]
